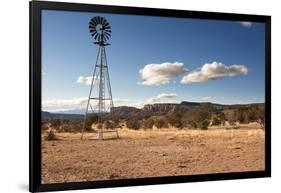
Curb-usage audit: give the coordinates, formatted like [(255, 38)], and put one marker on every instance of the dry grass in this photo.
[(152, 153)]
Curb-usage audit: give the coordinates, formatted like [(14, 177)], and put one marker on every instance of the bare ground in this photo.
[(165, 152)]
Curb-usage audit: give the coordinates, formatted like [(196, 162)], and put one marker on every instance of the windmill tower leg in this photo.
[(89, 97)]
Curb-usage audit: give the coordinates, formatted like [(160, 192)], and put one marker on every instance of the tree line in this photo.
[(195, 118)]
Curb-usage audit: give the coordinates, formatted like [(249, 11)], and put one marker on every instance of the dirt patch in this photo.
[(151, 153)]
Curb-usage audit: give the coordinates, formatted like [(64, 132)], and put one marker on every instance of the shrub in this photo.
[(50, 135), (216, 121), (55, 124), (175, 120), (160, 123), (108, 125), (44, 126), (178, 124), (91, 119), (99, 126), (204, 124), (258, 115), (148, 123), (133, 124), (77, 126), (117, 124), (188, 124), (202, 119)]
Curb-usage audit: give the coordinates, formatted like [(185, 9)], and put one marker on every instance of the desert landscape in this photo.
[(150, 150), (169, 97)]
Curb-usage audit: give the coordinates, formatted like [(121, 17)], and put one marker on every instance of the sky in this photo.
[(152, 60)]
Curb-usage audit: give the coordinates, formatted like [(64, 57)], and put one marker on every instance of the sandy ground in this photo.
[(151, 153)]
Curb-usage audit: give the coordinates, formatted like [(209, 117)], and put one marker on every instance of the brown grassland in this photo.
[(151, 153)]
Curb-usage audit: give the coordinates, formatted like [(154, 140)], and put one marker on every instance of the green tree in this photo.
[(202, 118), (133, 124), (148, 123), (160, 123), (175, 120)]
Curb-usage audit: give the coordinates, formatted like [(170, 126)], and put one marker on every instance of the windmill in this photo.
[(100, 100)]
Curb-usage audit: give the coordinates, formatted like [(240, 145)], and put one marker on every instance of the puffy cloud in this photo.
[(87, 80), (246, 23), (212, 71), (162, 98), (159, 74)]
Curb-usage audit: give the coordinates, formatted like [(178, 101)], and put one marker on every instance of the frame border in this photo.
[(35, 8)]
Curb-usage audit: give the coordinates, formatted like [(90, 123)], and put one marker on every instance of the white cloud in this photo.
[(79, 103), (212, 71), (246, 23), (87, 80), (64, 104), (207, 98), (162, 98), (159, 74)]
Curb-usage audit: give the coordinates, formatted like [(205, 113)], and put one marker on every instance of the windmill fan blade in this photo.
[(92, 22), (95, 22), (98, 19), (95, 36), (108, 34), (105, 22), (108, 27), (102, 20), (94, 33), (107, 31), (92, 25)]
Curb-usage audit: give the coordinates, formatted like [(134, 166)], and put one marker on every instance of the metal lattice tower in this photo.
[(100, 100)]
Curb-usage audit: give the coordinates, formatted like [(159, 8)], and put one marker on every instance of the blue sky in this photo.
[(152, 60)]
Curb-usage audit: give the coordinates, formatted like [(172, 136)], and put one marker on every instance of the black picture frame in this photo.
[(35, 8)]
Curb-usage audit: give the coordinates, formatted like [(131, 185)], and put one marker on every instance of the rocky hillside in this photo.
[(155, 109), (169, 108)]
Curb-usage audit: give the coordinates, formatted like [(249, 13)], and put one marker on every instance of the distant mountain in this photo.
[(74, 111), (169, 108), (153, 109), (48, 115)]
